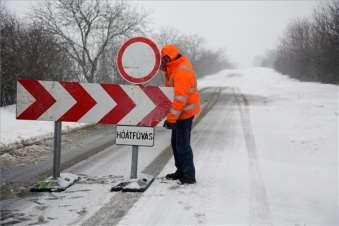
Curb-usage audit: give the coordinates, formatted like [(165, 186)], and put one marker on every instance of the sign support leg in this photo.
[(135, 183), (57, 150), (134, 165), (59, 181)]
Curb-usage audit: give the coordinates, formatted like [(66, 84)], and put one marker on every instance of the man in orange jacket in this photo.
[(186, 104)]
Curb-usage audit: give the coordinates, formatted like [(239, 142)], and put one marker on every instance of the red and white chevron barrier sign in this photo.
[(92, 102)]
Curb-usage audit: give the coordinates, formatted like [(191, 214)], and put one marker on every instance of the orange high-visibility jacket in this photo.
[(181, 76)]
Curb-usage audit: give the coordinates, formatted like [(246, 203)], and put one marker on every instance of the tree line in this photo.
[(77, 40), (309, 48)]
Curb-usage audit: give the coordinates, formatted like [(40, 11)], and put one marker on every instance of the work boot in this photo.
[(174, 176), (187, 180)]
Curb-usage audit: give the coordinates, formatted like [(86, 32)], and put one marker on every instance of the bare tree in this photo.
[(89, 27), (309, 49), (297, 45), (326, 41), (28, 51), (167, 35), (191, 45), (205, 61), (8, 28)]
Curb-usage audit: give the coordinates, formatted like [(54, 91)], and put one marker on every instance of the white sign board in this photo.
[(138, 60), (134, 135)]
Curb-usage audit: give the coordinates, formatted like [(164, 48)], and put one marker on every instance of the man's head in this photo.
[(168, 53)]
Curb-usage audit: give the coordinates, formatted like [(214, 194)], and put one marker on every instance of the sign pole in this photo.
[(138, 64), (57, 150), (59, 181), (134, 166), (134, 136)]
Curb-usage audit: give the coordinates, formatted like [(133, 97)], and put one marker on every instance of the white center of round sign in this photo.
[(138, 60)]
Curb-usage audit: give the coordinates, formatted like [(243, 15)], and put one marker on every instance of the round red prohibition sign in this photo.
[(138, 60)]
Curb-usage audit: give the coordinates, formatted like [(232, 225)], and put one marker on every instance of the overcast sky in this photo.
[(244, 28)]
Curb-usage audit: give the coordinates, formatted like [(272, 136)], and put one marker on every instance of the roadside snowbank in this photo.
[(13, 130)]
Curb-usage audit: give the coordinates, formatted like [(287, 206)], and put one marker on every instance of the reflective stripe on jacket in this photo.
[(181, 76)]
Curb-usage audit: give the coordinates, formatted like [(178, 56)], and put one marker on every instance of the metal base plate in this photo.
[(56, 185), (139, 184)]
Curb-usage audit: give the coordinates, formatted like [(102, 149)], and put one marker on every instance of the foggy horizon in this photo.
[(244, 29)]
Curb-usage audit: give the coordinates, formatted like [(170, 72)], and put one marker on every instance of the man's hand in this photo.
[(169, 125)]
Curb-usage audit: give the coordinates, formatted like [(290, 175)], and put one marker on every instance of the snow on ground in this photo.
[(213, 199), (82, 200), (13, 130), (273, 162)]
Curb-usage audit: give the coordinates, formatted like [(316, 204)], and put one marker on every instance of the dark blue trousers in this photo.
[(181, 146)]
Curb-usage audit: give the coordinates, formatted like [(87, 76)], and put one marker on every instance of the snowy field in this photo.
[(272, 162), (13, 130)]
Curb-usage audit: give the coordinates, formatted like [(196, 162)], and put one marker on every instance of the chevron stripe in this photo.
[(64, 101), (92, 103), (104, 103), (143, 105)]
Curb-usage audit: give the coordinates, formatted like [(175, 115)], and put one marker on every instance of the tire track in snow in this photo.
[(260, 212)]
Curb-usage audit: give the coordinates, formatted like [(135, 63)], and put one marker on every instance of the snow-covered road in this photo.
[(86, 198), (222, 194), (266, 153)]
